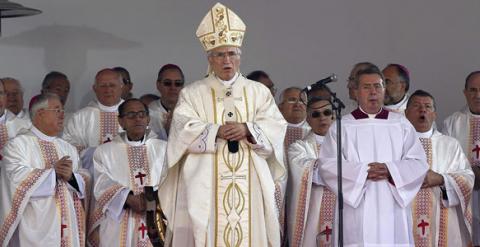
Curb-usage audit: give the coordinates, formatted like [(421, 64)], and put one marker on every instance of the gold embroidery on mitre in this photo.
[(220, 27)]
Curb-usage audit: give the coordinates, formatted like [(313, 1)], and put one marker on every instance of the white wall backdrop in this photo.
[(296, 42)]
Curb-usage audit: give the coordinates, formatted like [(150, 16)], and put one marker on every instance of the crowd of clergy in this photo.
[(218, 162)]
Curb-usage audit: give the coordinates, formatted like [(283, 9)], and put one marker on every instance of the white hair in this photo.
[(41, 103)]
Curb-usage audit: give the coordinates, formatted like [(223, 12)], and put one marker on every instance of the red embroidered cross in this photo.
[(327, 232), (476, 150), (143, 229), (62, 227), (140, 176), (423, 225)]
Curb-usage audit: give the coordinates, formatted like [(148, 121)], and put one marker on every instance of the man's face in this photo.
[(395, 87), (134, 119), (421, 113), (224, 61), (170, 85), (108, 88), (51, 118), (292, 107), (14, 95), (320, 117), (60, 87), (370, 93), (268, 83), (472, 94)]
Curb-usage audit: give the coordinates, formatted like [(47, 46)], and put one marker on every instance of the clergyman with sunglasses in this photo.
[(133, 160), (225, 149), (312, 223), (170, 81), (384, 165)]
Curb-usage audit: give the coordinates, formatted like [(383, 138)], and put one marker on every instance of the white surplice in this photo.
[(212, 197), (465, 126), (399, 106), (37, 208), (121, 167), (376, 213), (158, 118), (310, 205), (24, 114), (442, 216)]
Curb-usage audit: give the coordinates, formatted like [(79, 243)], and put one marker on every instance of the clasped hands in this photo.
[(233, 131), (377, 171), (63, 168), (138, 203)]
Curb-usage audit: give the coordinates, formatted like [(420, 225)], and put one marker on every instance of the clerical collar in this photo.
[(319, 138), (135, 143), (473, 114), (231, 81), (164, 107), (361, 114), (426, 134), (296, 125), (113, 108), (38, 133)]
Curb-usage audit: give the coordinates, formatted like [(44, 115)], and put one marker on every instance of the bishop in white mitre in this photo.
[(41, 188), (310, 205), (96, 123), (123, 167), (383, 164), (225, 190), (464, 125), (441, 211)]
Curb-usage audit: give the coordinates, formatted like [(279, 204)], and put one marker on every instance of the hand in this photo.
[(63, 168), (432, 179), (137, 203), (233, 131), (377, 171)]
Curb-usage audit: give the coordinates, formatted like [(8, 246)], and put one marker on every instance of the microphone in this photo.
[(331, 78), (232, 146)]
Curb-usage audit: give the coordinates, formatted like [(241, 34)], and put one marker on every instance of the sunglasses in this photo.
[(134, 114), (169, 83), (326, 113)]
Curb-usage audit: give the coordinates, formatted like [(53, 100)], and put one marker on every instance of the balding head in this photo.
[(108, 87)]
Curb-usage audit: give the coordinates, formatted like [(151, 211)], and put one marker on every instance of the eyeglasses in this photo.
[(169, 83), (294, 100), (134, 114), (108, 85), (317, 114), (223, 55), (57, 110)]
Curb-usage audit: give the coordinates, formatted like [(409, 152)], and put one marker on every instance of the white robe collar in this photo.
[(38, 133), (320, 139), (370, 116), (231, 81), (399, 104), (134, 143), (297, 125), (427, 134), (113, 108)]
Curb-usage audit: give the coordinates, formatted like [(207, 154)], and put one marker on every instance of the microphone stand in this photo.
[(337, 106)]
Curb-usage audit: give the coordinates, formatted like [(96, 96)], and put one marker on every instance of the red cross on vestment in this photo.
[(327, 232), (62, 227), (140, 176), (476, 150), (143, 229), (423, 225)]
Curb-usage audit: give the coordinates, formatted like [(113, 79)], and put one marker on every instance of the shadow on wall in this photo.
[(66, 48)]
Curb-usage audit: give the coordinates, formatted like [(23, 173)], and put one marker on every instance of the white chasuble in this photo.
[(224, 198), (376, 213), (310, 205), (37, 208), (442, 216), (93, 125), (10, 126), (465, 127), (123, 167)]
